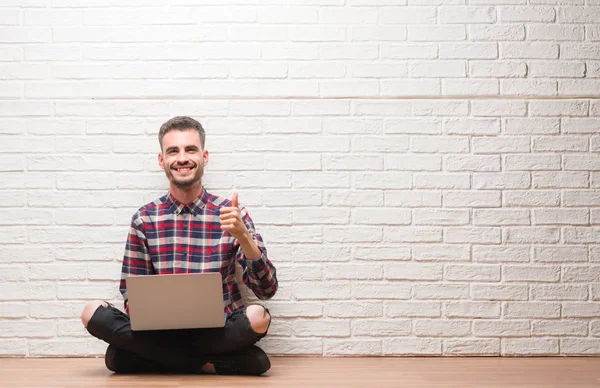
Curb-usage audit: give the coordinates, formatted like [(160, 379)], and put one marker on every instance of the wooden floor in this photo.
[(323, 372)]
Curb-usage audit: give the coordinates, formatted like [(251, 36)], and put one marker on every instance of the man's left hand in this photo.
[(231, 219)]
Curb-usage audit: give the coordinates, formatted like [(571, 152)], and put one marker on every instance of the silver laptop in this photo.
[(178, 301)]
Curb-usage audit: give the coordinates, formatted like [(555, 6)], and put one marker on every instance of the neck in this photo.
[(186, 195)]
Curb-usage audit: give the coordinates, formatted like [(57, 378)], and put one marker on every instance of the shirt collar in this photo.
[(195, 207)]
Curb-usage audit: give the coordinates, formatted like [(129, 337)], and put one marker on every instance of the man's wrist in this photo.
[(251, 250), (246, 239)]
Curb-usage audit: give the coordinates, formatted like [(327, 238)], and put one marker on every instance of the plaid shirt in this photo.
[(168, 237)]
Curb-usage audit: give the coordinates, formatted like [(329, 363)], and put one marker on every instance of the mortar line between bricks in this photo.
[(258, 98)]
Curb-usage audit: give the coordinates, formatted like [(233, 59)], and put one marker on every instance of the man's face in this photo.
[(182, 157)]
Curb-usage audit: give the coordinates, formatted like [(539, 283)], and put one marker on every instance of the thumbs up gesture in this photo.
[(231, 219)]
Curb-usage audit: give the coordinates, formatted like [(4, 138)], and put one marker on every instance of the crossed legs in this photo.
[(177, 349)]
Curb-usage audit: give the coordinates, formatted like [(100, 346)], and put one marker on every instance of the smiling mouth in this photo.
[(183, 169)]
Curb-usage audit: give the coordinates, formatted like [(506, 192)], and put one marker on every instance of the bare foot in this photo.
[(209, 368)]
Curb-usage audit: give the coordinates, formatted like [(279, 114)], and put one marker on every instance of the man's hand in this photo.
[(231, 221)]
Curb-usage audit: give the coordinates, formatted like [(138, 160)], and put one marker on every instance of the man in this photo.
[(190, 230)]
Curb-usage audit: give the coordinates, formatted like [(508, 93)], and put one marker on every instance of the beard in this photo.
[(193, 176)]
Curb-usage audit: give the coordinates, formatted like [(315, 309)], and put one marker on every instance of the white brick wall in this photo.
[(424, 172)]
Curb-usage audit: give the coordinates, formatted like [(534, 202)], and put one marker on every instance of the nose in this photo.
[(182, 157)]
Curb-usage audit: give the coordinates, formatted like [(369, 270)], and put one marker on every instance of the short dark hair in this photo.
[(181, 123)]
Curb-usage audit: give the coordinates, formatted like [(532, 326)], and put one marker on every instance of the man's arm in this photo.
[(250, 251), (136, 260), (259, 273)]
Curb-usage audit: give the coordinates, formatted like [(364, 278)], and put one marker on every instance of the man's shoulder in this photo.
[(215, 201), (151, 208)]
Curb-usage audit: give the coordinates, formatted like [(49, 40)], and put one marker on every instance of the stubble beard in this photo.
[(186, 182)]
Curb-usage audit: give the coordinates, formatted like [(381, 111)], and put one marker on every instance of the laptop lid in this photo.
[(175, 301)]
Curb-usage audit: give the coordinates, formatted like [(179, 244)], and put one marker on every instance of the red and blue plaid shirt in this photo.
[(167, 237)]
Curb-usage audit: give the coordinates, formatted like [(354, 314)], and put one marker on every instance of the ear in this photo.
[(161, 161), (205, 156)]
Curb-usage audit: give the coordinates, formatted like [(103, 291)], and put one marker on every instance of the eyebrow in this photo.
[(189, 147)]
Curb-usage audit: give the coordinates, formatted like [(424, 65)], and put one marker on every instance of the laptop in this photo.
[(175, 301)]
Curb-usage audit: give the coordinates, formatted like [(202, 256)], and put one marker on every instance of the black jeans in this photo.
[(173, 348)]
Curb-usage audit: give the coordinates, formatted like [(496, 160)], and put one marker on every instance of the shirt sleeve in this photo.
[(136, 260), (259, 275)]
